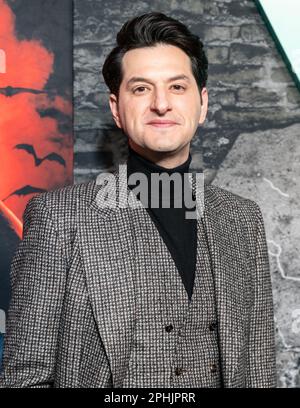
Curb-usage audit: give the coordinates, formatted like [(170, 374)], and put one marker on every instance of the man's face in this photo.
[(159, 106)]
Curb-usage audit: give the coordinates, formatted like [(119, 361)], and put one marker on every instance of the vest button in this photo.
[(213, 368), (213, 326), (179, 370), (169, 328)]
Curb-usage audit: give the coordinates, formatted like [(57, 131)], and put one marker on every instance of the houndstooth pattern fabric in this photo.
[(175, 341), (75, 304)]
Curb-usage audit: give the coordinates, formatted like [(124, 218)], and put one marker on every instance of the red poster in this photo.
[(36, 140)]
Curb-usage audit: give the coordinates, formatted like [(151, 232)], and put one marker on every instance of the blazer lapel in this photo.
[(109, 263), (227, 254)]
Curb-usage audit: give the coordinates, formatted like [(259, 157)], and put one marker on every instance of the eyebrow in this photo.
[(142, 79)]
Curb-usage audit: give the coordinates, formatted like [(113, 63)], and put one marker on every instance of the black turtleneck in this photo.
[(178, 233)]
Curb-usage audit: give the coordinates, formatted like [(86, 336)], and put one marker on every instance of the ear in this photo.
[(113, 103), (204, 105)]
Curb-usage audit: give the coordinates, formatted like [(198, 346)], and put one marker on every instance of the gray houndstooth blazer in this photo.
[(71, 318)]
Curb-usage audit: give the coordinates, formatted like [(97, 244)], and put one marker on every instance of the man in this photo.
[(142, 296)]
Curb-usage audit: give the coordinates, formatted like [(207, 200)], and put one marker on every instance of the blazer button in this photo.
[(169, 328), (213, 326), (179, 370), (213, 368)]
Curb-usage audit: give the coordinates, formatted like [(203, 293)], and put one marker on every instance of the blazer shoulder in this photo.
[(63, 203), (232, 200)]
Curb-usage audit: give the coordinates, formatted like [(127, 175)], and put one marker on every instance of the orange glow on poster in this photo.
[(35, 155)]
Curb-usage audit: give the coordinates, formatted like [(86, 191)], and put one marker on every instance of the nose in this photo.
[(160, 102)]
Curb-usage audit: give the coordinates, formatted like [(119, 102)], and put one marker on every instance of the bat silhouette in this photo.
[(11, 91), (25, 191), (52, 156)]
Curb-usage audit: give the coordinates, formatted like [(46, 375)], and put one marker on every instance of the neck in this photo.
[(168, 160), (138, 163)]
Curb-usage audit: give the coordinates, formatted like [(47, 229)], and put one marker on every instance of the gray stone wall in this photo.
[(249, 143)]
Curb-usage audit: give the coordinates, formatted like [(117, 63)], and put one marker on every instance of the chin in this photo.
[(164, 149), (168, 148), (163, 145)]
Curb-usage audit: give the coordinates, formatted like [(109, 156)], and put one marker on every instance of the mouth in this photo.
[(162, 124)]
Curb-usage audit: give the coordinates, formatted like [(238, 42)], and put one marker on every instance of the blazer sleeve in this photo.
[(261, 368), (38, 281)]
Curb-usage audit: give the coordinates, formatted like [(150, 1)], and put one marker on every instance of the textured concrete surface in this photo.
[(265, 166), (249, 143)]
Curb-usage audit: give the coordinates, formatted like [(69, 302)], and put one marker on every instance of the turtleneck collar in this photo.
[(138, 163)]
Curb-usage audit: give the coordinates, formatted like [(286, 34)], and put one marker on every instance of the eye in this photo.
[(178, 87), (139, 89)]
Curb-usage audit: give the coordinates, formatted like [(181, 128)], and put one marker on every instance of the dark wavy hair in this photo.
[(148, 30)]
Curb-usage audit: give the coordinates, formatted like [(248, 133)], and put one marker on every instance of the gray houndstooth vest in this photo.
[(175, 341)]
